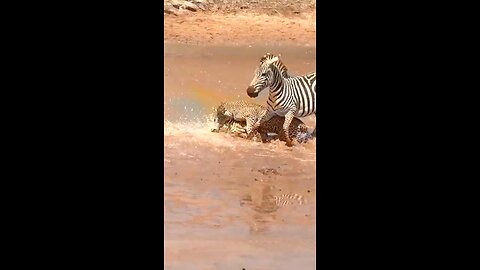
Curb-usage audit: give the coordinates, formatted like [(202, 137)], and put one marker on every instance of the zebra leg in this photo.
[(286, 126)]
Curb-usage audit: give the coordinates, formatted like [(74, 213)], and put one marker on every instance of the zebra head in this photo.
[(263, 76)]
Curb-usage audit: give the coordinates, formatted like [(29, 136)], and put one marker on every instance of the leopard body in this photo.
[(236, 117), (239, 111)]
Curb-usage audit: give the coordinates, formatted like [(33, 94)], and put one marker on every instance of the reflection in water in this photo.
[(264, 200), (263, 206)]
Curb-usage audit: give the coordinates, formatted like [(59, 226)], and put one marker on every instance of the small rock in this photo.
[(189, 6), (200, 4), (176, 3), (170, 10)]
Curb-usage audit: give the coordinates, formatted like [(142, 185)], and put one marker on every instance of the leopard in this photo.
[(297, 130), (240, 111), (234, 117)]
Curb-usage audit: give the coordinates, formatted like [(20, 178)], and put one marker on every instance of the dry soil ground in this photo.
[(242, 23)]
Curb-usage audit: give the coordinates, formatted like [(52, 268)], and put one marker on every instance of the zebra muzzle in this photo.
[(251, 92)]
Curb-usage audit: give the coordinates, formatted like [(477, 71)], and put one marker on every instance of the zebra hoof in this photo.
[(289, 144), (214, 130)]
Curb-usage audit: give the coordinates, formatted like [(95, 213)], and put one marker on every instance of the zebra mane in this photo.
[(271, 59)]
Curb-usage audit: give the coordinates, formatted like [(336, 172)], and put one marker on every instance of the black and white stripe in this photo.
[(296, 93), (289, 96)]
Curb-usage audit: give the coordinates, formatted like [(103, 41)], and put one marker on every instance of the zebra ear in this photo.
[(265, 56), (274, 59)]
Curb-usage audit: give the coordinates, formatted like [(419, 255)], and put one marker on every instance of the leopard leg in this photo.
[(302, 130), (286, 126), (218, 125), (252, 127), (253, 123), (263, 134), (294, 134)]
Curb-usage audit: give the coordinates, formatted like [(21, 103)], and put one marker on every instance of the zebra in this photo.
[(289, 96)]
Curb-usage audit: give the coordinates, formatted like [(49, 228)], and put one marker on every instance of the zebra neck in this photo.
[(277, 95), (278, 82)]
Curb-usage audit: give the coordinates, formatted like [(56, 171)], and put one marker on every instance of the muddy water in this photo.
[(225, 197)]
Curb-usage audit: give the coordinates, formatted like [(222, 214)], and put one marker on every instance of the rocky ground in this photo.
[(240, 22), (269, 7)]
